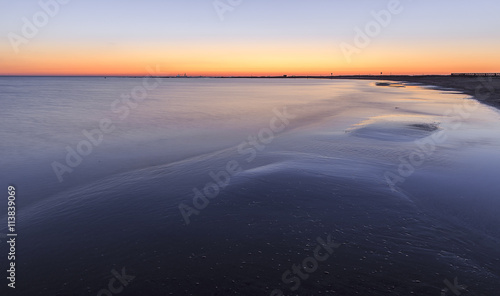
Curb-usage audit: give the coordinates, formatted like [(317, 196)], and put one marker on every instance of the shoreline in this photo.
[(484, 89), (489, 87)]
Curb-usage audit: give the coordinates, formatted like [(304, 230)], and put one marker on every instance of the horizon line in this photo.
[(257, 76)]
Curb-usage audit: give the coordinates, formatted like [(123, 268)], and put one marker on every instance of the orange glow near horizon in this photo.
[(232, 60)]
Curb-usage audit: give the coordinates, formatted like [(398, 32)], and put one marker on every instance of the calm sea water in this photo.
[(222, 186)]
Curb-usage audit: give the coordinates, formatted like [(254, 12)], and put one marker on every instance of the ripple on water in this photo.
[(399, 129)]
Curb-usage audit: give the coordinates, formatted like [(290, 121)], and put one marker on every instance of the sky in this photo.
[(248, 37)]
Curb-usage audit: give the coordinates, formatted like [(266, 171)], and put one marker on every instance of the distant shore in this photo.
[(484, 89)]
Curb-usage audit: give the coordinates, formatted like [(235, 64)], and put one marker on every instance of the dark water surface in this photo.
[(403, 180)]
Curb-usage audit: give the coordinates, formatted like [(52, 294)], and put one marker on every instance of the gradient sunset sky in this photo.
[(256, 37)]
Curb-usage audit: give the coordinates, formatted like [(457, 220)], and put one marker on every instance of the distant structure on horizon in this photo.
[(475, 74)]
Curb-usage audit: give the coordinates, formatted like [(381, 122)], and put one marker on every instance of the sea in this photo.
[(235, 186)]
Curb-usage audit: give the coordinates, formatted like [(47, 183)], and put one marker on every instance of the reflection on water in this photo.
[(320, 171)]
